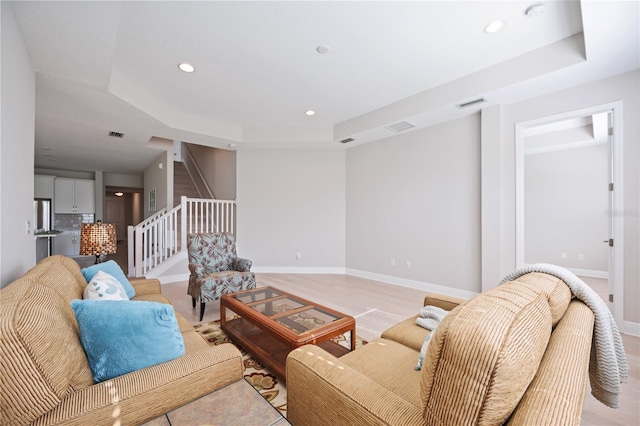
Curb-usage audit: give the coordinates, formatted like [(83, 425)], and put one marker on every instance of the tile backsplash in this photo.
[(71, 222)]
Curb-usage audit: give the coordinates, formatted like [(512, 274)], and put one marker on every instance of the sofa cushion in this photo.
[(104, 286), (42, 358), (61, 274), (111, 268), (483, 356), (124, 336), (557, 292), (389, 364), (407, 333)]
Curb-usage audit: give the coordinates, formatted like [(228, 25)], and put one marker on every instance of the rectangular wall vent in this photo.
[(399, 127), (116, 134), (347, 140), (473, 102)]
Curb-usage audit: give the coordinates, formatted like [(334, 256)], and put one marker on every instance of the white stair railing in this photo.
[(155, 240)]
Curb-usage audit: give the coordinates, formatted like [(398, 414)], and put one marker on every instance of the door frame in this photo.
[(616, 270)]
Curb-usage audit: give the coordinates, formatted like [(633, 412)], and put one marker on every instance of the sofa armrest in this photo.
[(242, 265), (443, 301), (322, 390), (556, 394), (145, 286), (142, 395)]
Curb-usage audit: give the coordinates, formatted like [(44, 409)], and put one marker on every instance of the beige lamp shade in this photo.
[(97, 238)]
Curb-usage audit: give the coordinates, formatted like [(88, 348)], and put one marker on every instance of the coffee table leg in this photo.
[(353, 339), (223, 314)]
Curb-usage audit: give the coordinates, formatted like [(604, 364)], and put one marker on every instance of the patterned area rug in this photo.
[(272, 389)]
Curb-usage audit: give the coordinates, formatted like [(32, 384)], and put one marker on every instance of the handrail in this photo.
[(155, 240), (193, 169)]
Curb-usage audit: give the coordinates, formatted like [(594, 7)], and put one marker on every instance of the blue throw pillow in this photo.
[(111, 268), (121, 336)]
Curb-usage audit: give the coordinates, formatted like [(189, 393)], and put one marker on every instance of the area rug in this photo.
[(272, 389)]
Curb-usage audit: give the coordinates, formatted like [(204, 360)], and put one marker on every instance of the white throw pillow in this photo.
[(104, 287)]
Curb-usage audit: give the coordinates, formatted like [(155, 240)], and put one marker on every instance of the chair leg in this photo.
[(193, 302), (201, 310)]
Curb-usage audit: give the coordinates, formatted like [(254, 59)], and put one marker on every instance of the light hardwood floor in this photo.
[(377, 306)]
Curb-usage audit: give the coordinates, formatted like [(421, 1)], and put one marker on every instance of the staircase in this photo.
[(161, 240), (183, 184)]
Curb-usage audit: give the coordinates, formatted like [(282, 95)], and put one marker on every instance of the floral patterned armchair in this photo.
[(215, 268)]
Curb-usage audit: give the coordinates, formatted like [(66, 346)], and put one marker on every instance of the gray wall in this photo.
[(566, 202), (291, 201), (156, 177), (18, 85), (625, 88), (218, 167), (416, 197)]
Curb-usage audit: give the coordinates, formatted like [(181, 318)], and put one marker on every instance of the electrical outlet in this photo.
[(407, 264), (580, 256), (563, 255), (28, 227), (393, 262)]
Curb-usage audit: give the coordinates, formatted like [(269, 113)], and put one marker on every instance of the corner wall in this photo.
[(18, 86), (288, 202), (625, 88), (415, 198)]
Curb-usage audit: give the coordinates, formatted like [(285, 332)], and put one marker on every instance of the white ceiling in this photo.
[(112, 66)]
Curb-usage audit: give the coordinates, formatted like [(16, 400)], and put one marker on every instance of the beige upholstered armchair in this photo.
[(215, 268)]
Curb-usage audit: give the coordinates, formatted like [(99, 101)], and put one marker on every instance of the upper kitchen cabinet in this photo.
[(43, 186), (74, 196)]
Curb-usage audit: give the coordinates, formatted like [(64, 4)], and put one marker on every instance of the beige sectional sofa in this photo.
[(517, 354), (45, 376)]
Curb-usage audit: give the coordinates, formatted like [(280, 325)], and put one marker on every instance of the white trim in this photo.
[(616, 271), (418, 285), (590, 273), (563, 147), (297, 270), (631, 328), (167, 264), (173, 278), (584, 272)]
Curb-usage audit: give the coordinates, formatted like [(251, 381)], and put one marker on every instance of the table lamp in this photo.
[(98, 239)]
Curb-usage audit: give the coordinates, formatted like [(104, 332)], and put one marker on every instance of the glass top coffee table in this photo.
[(270, 323)]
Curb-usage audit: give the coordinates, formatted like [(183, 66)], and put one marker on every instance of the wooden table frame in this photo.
[(268, 340)]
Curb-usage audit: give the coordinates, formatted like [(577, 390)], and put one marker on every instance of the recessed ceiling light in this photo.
[(495, 26), (322, 49), (534, 10), (186, 67), (310, 112), (119, 194)]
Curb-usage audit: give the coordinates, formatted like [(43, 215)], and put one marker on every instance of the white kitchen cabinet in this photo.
[(67, 244), (74, 196), (43, 186)]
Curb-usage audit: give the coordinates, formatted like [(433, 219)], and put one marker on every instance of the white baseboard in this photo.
[(631, 328), (297, 270), (583, 272), (418, 285), (166, 279), (590, 273)]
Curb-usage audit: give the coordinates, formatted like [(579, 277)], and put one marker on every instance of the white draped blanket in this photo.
[(608, 362)]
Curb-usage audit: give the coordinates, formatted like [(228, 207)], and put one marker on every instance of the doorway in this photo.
[(124, 208), (568, 187)]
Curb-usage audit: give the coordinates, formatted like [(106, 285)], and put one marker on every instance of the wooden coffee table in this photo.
[(272, 323)]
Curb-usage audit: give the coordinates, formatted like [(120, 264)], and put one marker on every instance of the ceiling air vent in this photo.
[(347, 140), (116, 134), (473, 102), (399, 127)]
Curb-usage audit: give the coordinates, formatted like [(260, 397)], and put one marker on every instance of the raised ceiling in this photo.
[(112, 66)]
